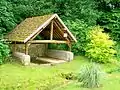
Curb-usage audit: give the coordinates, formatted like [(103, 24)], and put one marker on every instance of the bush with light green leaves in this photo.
[(100, 47)]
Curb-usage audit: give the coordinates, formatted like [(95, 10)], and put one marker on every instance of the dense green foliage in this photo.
[(78, 15), (7, 21), (12, 12), (90, 76), (100, 48), (117, 47), (110, 18), (84, 10), (80, 29), (111, 22), (4, 51)]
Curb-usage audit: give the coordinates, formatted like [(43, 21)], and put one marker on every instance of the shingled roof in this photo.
[(30, 26)]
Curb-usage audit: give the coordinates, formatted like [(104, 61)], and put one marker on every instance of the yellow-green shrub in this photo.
[(101, 47)]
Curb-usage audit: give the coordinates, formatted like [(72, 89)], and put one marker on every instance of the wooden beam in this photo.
[(69, 45), (17, 43), (36, 34), (14, 47), (58, 33), (68, 41), (46, 41), (55, 35), (26, 48), (57, 17), (41, 27), (51, 31)]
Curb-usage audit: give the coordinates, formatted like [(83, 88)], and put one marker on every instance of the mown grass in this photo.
[(14, 76), (111, 82)]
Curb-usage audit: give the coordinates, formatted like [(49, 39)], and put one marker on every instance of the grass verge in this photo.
[(14, 76)]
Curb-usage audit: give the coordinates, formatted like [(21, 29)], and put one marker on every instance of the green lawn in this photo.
[(111, 82), (14, 76)]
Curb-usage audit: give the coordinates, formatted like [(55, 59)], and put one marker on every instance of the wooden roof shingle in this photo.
[(26, 28)]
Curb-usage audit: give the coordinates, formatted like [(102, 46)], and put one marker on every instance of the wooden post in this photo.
[(26, 48), (70, 47), (51, 31), (69, 44), (14, 48)]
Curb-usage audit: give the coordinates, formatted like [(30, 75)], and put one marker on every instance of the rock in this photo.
[(25, 59)]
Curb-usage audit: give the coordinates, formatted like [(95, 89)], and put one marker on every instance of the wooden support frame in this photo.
[(14, 47), (41, 27), (69, 45), (60, 30), (36, 34), (57, 17), (51, 31), (47, 41), (68, 42), (58, 33), (26, 48)]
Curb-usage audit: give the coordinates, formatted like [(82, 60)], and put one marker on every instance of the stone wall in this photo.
[(60, 54), (38, 50), (35, 50)]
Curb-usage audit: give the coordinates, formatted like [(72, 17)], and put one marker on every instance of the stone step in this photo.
[(50, 60)]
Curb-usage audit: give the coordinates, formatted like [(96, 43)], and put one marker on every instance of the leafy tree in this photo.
[(80, 29), (7, 21), (107, 5), (12, 12), (111, 22), (84, 10)]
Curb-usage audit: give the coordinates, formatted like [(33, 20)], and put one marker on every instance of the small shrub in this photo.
[(4, 51), (69, 76), (90, 76), (100, 48)]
